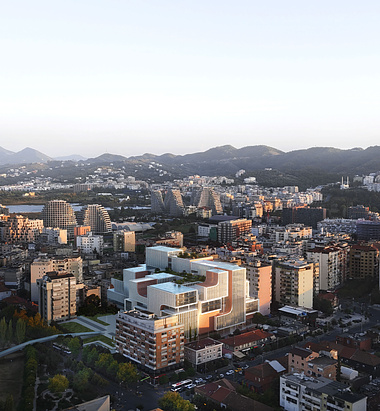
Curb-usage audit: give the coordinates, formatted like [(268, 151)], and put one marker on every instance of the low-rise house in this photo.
[(203, 351), (260, 378), (298, 392), (247, 341), (223, 393), (355, 341)]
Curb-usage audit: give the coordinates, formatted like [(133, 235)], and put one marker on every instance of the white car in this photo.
[(230, 372), (190, 386)]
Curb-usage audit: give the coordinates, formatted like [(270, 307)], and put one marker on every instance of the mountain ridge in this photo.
[(223, 160)]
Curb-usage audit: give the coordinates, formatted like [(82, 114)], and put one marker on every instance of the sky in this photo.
[(130, 77)]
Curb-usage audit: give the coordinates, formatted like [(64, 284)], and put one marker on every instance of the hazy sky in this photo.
[(130, 77)]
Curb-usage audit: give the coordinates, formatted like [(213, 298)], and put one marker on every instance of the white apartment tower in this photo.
[(59, 213), (97, 217)]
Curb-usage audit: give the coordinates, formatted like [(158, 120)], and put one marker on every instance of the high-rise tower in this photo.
[(59, 213), (157, 202), (97, 217), (173, 203), (207, 197)]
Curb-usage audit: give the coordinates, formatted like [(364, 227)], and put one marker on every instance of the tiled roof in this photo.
[(246, 338)]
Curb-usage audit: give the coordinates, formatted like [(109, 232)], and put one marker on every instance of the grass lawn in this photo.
[(101, 338), (95, 318), (11, 376), (74, 327)]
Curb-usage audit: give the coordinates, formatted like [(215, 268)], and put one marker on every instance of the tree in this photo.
[(127, 373), (75, 345), (3, 332), (323, 305), (112, 369), (58, 383), (10, 332), (172, 401), (80, 381), (93, 356), (103, 362), (9, 403), (20, 331)]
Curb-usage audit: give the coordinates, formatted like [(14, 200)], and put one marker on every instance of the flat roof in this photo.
[(160, 276), (173, 288), (199, 345), (296, 310), (141, 267), (164, 248)]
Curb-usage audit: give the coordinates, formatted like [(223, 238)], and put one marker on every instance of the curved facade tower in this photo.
[(58, 214), (97, 217)]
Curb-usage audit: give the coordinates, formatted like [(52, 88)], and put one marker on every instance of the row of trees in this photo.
[(104, 363), (30, 375), (17, 326), (10, 333)]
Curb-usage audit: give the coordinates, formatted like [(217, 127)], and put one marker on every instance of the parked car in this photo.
[(199, 381), (230, 372), (209, 378), (191, 386), (221, 375)]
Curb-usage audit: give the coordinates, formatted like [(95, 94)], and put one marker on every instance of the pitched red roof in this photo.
[(246, 338)]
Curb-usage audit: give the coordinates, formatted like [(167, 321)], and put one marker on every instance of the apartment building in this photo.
[(295, 282), (53, 236), (302, 214), (56, 296), (59, 213), (259, 277), (155, 343), (229, 231), (157, 202), (90, 244), (304, 360), (18, 229), (299, 392), (97, 217), (207, 197), (363, 262), (174, 203), (124, 241), (203, 351), (332, 262), (42, 265)]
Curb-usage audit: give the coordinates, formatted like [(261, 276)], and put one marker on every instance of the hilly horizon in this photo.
[(224, 160)]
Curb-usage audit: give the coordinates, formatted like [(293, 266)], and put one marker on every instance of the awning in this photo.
[(239, 354)]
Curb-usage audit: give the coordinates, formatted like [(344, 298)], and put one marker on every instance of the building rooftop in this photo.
[(201, 344), (246, 338), (166, 249), (300, 352), (173, 288)]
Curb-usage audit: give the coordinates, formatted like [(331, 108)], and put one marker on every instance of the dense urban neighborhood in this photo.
[(153, 289)]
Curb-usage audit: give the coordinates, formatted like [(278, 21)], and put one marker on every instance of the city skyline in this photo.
[(132, 77)]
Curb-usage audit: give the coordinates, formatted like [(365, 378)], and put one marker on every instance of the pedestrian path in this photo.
[(45, 339), (107, 330)]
